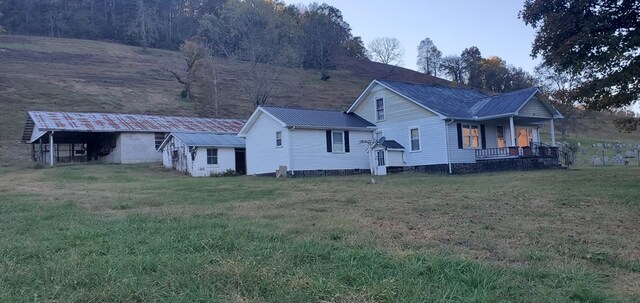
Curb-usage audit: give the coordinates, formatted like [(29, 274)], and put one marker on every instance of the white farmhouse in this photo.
[(420, 127)]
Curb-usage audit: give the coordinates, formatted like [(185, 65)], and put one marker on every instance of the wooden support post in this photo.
[(553, 134), (51, 149), (513, 131)]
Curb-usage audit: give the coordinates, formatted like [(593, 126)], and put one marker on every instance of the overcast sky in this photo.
[(453, 25)]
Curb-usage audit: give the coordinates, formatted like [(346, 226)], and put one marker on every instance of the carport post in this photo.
[(51, 148)]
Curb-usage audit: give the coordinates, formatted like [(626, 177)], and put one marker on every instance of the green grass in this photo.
[(139, 233)]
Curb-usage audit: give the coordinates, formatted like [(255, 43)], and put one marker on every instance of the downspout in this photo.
[(446, 132), (291, 150)]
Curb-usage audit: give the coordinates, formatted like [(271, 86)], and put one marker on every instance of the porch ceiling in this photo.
[(530, 120)]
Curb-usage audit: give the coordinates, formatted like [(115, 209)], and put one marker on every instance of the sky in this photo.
[(453, 25)]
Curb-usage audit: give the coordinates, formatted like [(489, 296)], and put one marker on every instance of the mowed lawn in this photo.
[(115, 233)]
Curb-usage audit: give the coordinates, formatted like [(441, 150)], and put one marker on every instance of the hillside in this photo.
[(79, 75)]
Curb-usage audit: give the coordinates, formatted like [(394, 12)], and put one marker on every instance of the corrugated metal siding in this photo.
[(106, 122), (310, 151), (535, 108), (262, 154)]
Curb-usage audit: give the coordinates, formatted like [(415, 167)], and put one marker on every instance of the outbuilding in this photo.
[(64, 137), (204, 154)]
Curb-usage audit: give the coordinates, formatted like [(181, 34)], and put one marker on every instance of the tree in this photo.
[(495, 74), (559, 87), (429, 57), (194, 51), (598, 40), (472, 60), (454, 68), (324, 33), (257, 32), (355, 48), (386, 50), (2, 31)]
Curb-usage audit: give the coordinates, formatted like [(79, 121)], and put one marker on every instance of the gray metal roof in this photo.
[(210, 139), (317, 118), (107, 122), (465, 103), (447, 101), (392, 144)]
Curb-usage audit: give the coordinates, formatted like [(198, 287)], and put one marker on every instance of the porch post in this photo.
[(513, 131), (553, 134), (51, 148)]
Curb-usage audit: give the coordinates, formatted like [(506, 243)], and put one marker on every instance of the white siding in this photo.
[(394, 158), (310, 151), (397, 108), (534, 108), (115, 155), (262, 154), (226, 161), (400, 116)]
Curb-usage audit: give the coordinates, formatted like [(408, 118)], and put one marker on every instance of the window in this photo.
[(470, 136), (212, 156), (415, 139), (379, 109), (278, 139), (337, 141), (159, 138)]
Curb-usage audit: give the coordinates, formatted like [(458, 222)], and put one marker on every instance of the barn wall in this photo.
[(138, 148)]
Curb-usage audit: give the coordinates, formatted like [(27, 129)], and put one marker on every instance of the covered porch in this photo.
[(517, 137)]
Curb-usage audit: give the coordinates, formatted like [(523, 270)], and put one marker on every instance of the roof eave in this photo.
[(328, 127)]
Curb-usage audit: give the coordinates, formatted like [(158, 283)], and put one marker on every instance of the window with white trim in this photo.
[(278, 139), (415, 139), (379, 109), (470, 136), (212, 156), (337, 141)]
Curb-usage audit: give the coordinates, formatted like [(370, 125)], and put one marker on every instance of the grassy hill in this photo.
[(77, 75)]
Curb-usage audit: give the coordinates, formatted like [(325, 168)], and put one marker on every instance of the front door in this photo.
[(500, 136), (381, 164), (524, 135)]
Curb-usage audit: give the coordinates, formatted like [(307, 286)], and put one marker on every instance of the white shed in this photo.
[(204, 154)]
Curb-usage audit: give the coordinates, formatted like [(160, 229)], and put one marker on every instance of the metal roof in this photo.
[(456, 102), (392, 144), (108, 122), (447, 101), (210, 139), (316, 118)]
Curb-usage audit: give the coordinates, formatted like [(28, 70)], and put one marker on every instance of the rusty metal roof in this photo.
[(108, 122)]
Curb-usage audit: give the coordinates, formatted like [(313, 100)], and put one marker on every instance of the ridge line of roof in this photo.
[(132, 114)]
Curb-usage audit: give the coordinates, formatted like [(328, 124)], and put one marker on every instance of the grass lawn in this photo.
[(139, 233)]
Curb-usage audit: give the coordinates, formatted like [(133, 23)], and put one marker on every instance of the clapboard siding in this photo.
[(397, 108), (263, 156), (535, 108), (310, 151)]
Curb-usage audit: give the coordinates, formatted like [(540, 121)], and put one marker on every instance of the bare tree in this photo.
[(256, 32), (429, 57), (453, 67), (386, 50), (193, 51), (559, 87)]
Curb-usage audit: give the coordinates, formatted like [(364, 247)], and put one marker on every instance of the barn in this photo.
[(68, 137)]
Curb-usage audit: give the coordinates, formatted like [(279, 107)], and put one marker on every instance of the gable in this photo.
[(535, 108), (397, 107)]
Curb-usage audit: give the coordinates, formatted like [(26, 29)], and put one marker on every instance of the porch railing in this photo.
[(535, 149)]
